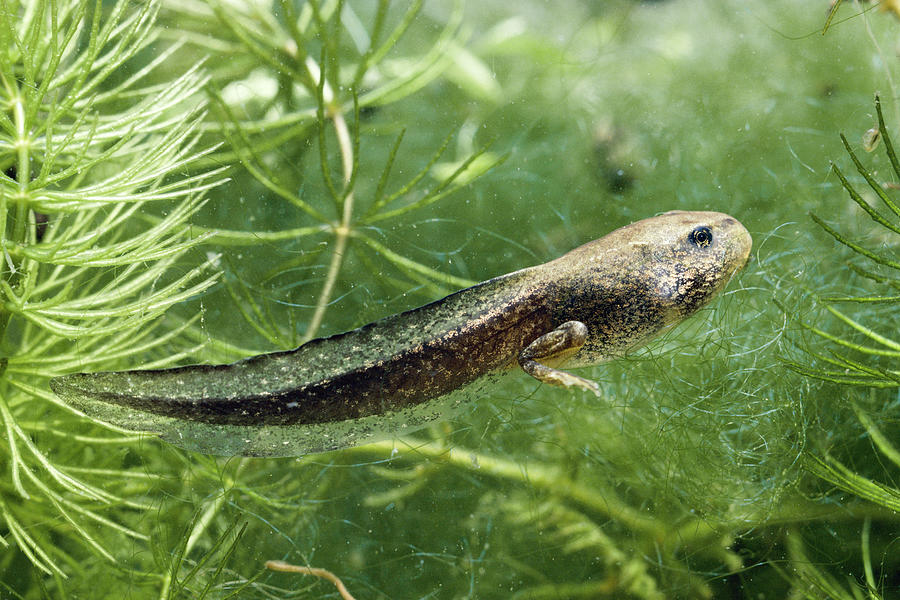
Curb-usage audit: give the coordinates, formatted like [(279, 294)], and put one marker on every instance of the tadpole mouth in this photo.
[(745, 243), (740, 245)]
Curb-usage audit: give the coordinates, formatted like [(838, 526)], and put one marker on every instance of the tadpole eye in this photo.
[(701, 237)]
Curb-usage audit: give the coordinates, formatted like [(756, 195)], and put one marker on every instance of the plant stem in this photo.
[(536, 475), (278, 565), (23, 168), (19, 235), (341, 230)]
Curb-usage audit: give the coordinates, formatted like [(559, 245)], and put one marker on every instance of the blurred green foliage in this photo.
[(448, 143)]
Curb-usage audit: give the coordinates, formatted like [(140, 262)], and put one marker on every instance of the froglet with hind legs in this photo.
[(399, 373)]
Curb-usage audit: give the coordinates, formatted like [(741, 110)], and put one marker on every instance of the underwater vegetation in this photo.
[(202, 180)]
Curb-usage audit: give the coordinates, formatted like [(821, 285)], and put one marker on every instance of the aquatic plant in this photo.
[(297, 79), (860, 352), (87, 154)]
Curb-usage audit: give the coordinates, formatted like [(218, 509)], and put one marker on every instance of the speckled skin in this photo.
[(630, 284), (609, 296)]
